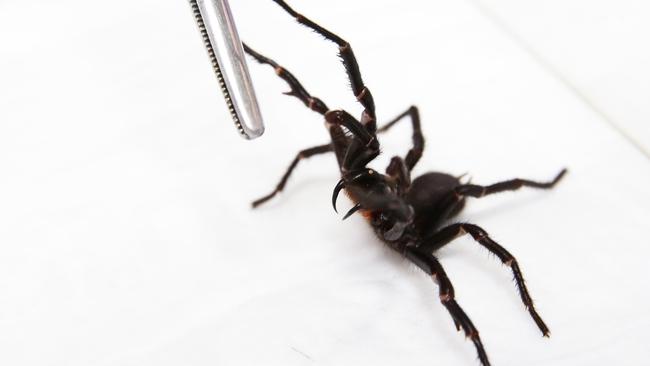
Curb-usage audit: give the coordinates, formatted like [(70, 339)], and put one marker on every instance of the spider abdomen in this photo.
[(429, 195)]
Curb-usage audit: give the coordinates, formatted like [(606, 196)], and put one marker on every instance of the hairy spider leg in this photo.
[(445, 235), (345, 149), (304, 154), (361, 92), (349, 153), (397, 167), (415, 153), (477, 191), (449, 203), (358, 153), (430, 264), (449, 233), (340, 140), (297, 90)]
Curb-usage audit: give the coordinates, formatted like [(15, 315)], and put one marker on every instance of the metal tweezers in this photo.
[(224, 47)]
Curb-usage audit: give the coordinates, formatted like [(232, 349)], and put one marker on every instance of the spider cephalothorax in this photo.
[(410, 216)]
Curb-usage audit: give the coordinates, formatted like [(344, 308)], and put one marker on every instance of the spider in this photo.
[(409, 215)]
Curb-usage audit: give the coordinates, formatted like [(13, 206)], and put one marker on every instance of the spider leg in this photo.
[(361, 149), (297, 90), (398, 170), (477, 191), (321, 149), (361, 92), (429, 264), (447, 234), (415, 153), (450, 203), (345, 151)]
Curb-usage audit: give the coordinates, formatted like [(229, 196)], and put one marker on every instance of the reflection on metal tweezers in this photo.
[(224, 48)]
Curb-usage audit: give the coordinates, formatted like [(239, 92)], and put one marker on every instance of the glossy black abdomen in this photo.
[(431, 197)]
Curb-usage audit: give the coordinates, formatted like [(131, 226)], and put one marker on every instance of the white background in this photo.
[(126, 236)]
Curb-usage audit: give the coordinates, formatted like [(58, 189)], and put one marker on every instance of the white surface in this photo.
[(127, 239), (598, 47)]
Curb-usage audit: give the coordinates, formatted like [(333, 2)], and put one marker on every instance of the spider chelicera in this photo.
[(410, 216)]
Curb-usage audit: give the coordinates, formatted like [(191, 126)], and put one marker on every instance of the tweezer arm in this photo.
[(224, 48)]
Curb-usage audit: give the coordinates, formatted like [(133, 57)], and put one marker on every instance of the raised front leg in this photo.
[(297, 90), (361, 92)]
